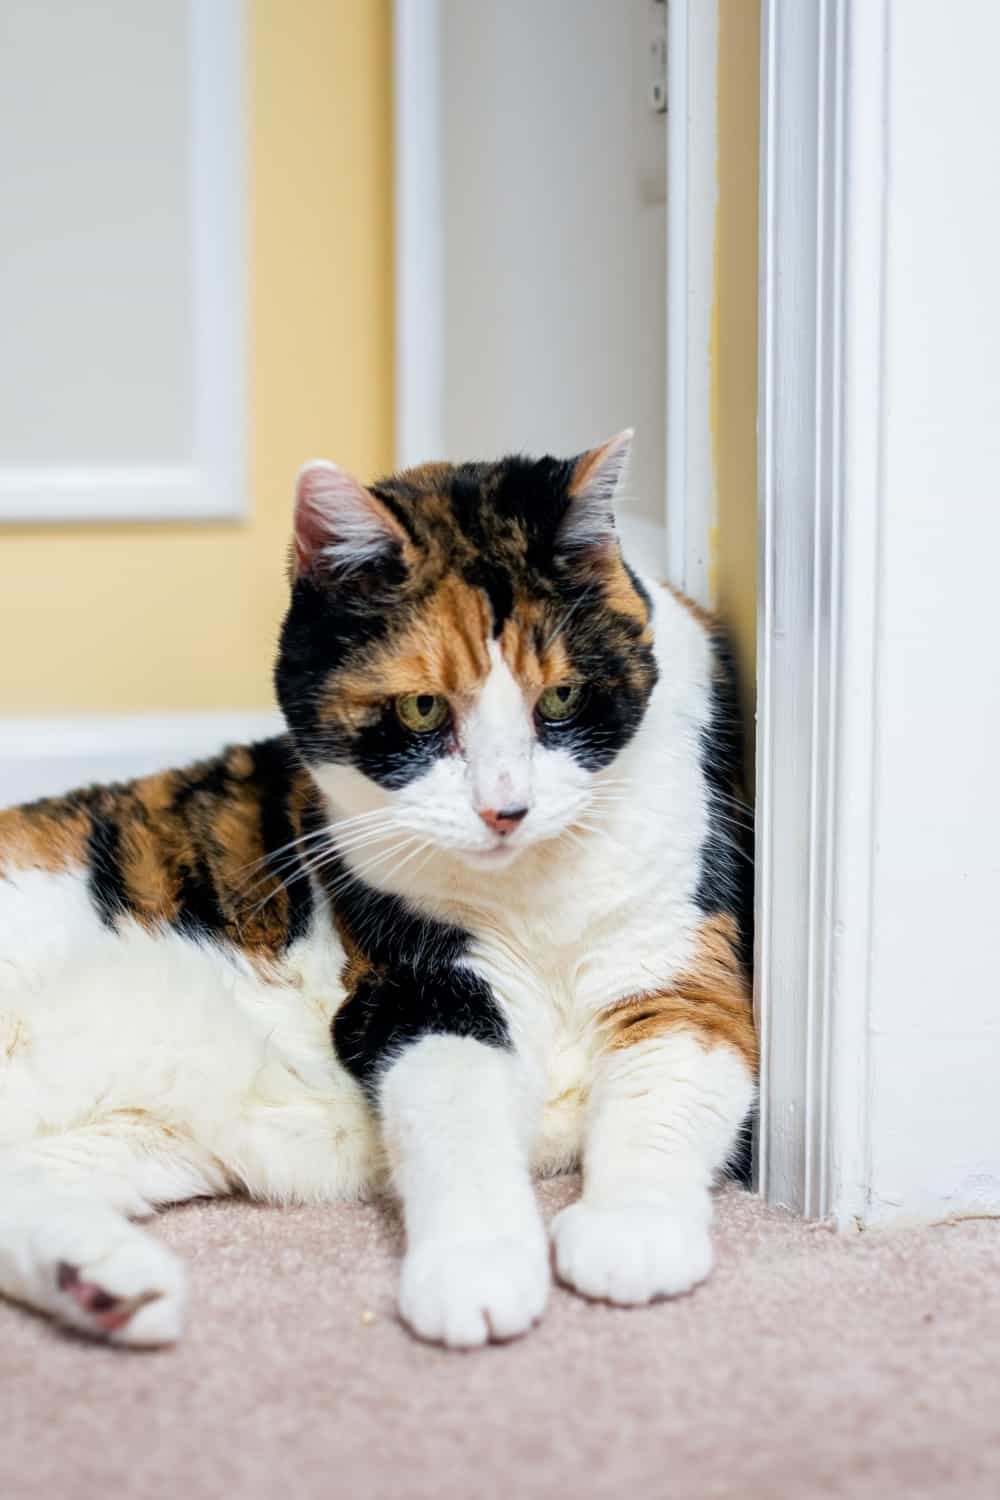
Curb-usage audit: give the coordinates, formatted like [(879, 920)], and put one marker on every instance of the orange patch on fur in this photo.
[(704, 617), (51, 836), (620, 595), (712, 998), (442, 651), (519, 647)]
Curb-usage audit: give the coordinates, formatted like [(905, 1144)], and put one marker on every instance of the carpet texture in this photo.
[(810, 1365)]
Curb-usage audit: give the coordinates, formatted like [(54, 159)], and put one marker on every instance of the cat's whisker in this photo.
[(414, 853), (278, 862), (364, 837), (273, 854), (335, 855), (352, 876), (300, 867)]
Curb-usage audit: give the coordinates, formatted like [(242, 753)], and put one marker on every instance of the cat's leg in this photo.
[(673, 1086), (66, 1245), (458, 1118)]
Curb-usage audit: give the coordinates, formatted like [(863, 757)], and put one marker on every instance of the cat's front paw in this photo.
[(631, 1254), (464, 1293)]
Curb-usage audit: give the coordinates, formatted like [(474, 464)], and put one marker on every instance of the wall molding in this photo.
[(420, 268), (692, 202), (821, 320), (212, 483), (44, 756)]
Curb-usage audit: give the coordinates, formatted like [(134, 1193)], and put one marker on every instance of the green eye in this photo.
[(422, 712), (560, 703)]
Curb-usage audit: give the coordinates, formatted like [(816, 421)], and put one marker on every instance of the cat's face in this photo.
[(465, 652)]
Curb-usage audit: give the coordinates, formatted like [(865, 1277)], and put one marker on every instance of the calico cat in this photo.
[(477, 913)]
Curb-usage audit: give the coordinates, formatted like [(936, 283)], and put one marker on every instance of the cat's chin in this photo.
[(497, 857)]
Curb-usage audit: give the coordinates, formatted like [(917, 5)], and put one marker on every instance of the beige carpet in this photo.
[(810, 1365)]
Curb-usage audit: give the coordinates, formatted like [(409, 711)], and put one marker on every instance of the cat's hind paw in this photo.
[(469, 1292), (630, 1255), (113, 1281)]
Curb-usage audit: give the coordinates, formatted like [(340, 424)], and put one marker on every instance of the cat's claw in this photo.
[(632, 1254), (467, 1293)]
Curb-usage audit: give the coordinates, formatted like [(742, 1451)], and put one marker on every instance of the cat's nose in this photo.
[(503, 820)]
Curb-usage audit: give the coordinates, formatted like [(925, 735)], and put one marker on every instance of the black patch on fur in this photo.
[(725, 883), (619, 671), (498, 587), (417, 984), (387, 1011), (199, 912), (324, 625), (392, 755), (739, 1168), (273, 768), (106, 883)]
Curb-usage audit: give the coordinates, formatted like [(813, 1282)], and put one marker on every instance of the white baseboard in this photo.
[(41, 757)]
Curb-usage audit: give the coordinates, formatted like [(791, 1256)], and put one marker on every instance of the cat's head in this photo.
[(465, 650)]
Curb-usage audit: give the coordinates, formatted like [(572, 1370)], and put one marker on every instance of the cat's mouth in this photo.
[(494, 856)]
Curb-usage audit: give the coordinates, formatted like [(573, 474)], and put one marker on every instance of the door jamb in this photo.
[(692, 204), (823, 208)]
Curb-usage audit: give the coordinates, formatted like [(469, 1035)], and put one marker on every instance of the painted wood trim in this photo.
[(821, 305), (692, 199), (45, 756), (212, 484), (420, 269)]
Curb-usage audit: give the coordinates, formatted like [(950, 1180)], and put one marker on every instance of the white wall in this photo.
[(555, 236), (935, 998)]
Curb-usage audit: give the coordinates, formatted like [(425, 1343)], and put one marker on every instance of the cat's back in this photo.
[(185, 851)]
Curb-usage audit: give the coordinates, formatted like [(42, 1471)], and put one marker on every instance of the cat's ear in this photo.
[(340, 526), (588, 527)]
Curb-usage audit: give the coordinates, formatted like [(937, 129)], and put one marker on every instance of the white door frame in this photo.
[(419, 230), (821, 332), (692, 205)]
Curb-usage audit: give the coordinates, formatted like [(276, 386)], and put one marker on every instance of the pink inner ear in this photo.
[(310, 527), (338, 520), (319, 489)]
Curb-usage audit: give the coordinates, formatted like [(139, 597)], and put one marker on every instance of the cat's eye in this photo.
[(422, 712), (561, 702)]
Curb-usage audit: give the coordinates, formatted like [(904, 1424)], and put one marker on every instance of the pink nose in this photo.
[(504, 821)]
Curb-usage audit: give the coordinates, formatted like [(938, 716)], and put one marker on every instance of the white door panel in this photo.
[(121, 293)]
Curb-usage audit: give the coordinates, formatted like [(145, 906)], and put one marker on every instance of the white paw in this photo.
[(630, 1255), (463, 1293), (111, 1280)]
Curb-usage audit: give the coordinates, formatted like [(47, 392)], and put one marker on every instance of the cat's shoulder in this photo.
[(691, 645)]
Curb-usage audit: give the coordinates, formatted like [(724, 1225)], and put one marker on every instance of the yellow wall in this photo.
[(734, 337), (129, 618)]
